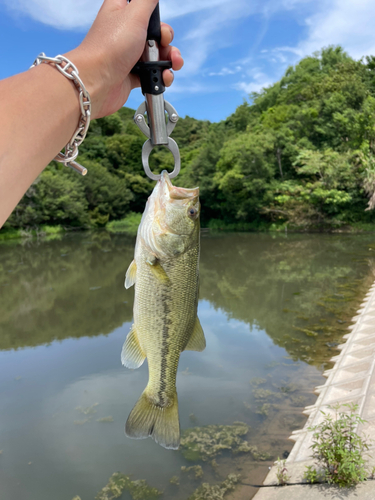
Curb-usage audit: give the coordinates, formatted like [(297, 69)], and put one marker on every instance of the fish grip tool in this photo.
[(157, 128)]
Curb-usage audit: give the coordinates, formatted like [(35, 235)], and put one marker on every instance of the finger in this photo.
[(172, 54), (168, 77), (167, 35), (135, 81)]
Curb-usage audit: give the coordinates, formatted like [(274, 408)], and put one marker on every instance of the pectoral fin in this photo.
[(132, 355), (197, 342), (158, 272), (130, 275)]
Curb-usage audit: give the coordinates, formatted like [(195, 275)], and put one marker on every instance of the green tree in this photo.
[(55, 197)]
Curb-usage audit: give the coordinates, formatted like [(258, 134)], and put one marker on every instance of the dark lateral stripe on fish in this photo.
[(164, 351)]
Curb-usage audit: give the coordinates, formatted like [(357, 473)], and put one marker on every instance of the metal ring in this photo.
[(173, 148)]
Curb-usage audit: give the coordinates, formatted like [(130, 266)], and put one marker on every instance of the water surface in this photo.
[(273, 309)]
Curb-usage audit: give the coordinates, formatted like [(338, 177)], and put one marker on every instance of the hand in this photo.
[(113, 46)]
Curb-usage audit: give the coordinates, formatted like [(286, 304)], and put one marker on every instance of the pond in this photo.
[(273, 309)]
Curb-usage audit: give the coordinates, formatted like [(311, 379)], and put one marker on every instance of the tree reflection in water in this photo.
[(296, 288)]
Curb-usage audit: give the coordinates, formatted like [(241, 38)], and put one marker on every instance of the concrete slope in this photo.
[(351, 380)]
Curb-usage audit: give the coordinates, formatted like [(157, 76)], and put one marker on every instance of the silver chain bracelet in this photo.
[(69, 70)]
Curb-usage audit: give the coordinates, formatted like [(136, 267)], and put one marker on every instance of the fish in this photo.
[(165, 273)]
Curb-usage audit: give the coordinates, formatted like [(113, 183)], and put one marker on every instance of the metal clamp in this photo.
[(151, 131)]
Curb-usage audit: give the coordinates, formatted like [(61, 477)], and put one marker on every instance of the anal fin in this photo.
[(197, 341), (132, 355)]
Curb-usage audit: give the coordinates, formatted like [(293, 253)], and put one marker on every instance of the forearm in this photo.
[(45, 110)]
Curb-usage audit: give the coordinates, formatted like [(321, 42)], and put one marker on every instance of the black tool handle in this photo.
[(154, 31)]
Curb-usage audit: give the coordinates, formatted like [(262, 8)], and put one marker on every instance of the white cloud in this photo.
[(338, 22), (79, 14), (258, 81), (210, 25), (334, 22), (171, 8), (193, 88), (247, 88), (227, 71), (68, 14), (342, 22), (205, 35)]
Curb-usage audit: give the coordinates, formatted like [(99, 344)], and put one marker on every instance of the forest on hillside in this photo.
[(298, 153)]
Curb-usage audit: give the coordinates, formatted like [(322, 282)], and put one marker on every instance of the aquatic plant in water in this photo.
[(196, 469), (204, 443), (81, 422), (263, 410), (258, 455), (106, 419), (118, 483), (217, 491), (256, 381), (265, 394), (89, 410)]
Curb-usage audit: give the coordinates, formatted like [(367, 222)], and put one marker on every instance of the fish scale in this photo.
[(163, 337)]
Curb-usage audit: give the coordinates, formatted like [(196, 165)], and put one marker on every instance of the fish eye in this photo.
[(192, 212)]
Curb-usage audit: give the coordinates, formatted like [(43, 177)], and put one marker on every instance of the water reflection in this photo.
[(302, 289), (290, 287), (62, 289), (269, 307)]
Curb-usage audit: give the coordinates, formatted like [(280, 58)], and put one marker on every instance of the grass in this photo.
[(10, 234), (255, 226), (51, 232), (338, 450), (128, 225), (282, 472)]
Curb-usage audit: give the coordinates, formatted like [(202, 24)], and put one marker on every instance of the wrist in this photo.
[(92, 72)]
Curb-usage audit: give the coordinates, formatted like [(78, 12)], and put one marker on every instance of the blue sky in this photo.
[(231, 47)]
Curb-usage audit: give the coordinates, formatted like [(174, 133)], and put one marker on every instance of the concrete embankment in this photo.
[(351, 380)]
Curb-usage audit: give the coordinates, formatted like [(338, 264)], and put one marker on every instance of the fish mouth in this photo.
[(169, 191)]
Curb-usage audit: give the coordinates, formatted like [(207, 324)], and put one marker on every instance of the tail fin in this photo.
[(162, 424)]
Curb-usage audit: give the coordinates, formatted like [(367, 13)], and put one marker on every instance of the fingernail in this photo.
[(171, 72)]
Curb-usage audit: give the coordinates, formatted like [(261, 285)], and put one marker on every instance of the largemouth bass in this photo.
[(165, 274)]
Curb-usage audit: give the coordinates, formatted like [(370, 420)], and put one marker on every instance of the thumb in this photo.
[(142, 9), (140, 12)]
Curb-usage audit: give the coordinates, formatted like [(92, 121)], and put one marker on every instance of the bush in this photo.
[(338, 449), (127, 225)]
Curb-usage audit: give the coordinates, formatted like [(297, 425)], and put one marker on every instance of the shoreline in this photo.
[(350, 380), (130, 228)]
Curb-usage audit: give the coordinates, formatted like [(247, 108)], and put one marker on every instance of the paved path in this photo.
[(351, 380), (364, 491)]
